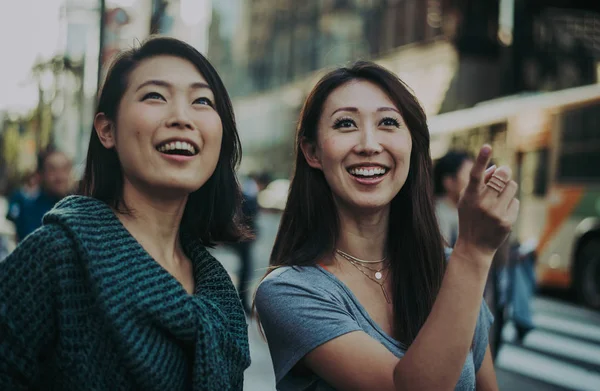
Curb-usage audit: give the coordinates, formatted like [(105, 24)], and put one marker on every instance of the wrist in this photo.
[(474, 257)]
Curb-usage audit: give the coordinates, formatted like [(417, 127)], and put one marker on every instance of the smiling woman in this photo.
[(119, 288), (359, 295), (167, 104)]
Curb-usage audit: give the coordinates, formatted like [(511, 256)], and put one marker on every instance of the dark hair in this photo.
[(309, 226), (448, 165), (213, 212)]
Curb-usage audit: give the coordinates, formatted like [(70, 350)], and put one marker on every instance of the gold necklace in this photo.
[(361, 261), (356, 261), (378, 276), (379, 270), (377, 273)]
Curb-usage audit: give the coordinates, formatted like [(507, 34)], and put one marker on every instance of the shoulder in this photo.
[(40, 248), (34, 269), (49, 239), (299, 309), (289, 280), (290, 294)]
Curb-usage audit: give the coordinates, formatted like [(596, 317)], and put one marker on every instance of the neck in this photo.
[(364, 235), (154, 222)]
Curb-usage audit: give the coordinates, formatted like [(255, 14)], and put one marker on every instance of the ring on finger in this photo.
[(496, 183)]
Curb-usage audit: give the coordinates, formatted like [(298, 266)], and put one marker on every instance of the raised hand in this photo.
[(487, 208)]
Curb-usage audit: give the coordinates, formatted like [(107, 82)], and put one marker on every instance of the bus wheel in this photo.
[(587, 283)]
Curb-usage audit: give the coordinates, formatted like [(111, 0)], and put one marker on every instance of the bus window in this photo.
[(540, 184), (579, 152), (534, 172)]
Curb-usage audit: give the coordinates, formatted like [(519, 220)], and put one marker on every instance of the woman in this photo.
[(116, 291), (360, 296), (450, 178)]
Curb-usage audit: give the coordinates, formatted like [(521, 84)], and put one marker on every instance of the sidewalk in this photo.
[(260, 376)]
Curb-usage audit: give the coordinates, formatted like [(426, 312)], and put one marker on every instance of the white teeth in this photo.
[(368, 171), (177, 145)]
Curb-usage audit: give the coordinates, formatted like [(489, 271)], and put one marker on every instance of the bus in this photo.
[(551, 140)]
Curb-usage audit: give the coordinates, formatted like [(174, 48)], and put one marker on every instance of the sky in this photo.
[(31, 29), (28, 29)]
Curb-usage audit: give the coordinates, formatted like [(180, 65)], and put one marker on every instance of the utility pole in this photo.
[(101, 50), (157, 15)]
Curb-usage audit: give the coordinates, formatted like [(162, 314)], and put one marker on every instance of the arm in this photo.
[(436, 357), (433, 362), (486, 376), (27, 323)]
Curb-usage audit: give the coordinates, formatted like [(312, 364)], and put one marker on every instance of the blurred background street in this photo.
[(521, 75)]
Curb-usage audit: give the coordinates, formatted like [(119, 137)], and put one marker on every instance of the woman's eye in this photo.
[(390, 122), (153, 95), (204, 101), (343, 123)]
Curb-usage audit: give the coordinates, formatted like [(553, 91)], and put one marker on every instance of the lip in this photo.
[(368, 181), (367, 165), (177, 158), (183, 139)]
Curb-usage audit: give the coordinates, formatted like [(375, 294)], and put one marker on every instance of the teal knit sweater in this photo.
[(84, 307)]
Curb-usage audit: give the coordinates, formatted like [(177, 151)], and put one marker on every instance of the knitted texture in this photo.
[(84, 307)]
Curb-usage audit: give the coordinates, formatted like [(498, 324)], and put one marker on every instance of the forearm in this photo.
[(435, 359)]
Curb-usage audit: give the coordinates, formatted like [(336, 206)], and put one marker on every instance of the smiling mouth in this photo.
[(181, 148), (368, 172)]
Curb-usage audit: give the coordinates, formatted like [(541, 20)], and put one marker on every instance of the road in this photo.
[(562, 353)]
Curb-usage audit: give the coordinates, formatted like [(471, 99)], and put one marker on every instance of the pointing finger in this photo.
[(488, 173), (477, 172)]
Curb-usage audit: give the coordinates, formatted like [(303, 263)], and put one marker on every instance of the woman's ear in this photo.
[(105, 129), (311, 153)]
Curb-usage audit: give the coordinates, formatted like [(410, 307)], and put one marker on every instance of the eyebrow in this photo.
[(162, 83), (355, 110)]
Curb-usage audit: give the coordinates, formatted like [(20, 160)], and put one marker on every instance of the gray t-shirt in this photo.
[(302, 307)]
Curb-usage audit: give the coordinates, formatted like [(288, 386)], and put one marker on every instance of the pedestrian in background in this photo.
[(450, 177), (30, 203), (116, 291), (359, 295), (244, 248)]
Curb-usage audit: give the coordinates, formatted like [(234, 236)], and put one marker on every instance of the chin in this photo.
[(370, 205), (178, 188)]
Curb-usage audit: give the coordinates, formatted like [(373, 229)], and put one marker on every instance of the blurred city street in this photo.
[(260, 375), (563, 353)]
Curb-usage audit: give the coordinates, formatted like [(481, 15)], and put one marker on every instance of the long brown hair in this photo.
[(309, 226), (213, 213)]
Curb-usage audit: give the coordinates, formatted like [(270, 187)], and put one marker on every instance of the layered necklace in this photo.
[(368, 268)]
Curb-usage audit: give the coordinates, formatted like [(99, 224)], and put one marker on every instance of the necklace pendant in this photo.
[(378, 275), (387, 298)]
